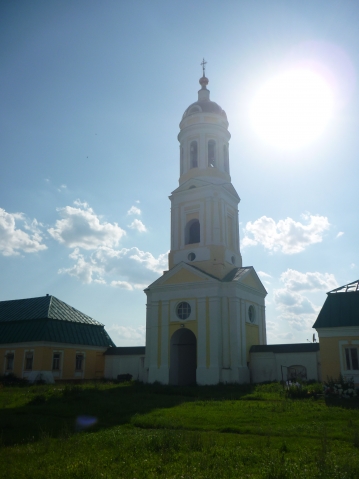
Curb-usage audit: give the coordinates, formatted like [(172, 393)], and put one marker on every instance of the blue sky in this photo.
[(91, 97)]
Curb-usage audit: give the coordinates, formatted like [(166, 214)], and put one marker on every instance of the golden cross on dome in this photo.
[(203, 63)]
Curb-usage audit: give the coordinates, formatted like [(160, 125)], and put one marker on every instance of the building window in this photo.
[(192, 232), (251, 314), (351, 358), (194, 154), (183, 310), (9, 361), (211, 153), (79, 362), (29, 357), (56, 361), (191, 257)]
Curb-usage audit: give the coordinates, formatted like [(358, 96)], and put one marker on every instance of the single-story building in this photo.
[(338, 330), (277, 362), (46, 338)]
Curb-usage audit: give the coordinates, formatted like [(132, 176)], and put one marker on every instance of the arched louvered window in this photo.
[(211, 153), (194, 154), (192, 232)]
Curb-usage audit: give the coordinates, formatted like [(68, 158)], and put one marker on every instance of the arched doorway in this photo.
[(183, 358)]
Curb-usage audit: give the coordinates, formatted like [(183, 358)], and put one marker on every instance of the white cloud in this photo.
[(122, 285), (138, 225), (134, 211), (287, 236), (339, 234), (61, 188), (81, 227), (294, 303), (352, 266), (127, 336), (296, 281), (87, 271), (265, 275), (127, 268), (294, 307), (129, 286), (14, 240)]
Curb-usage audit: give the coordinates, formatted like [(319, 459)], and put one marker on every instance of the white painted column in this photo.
[(215, 339), (153, 334), (201, 373), (175, 227), (148, 337), (208, 239), (264, 327), (225, 334), (243, 371), (235, 333), (216, 224), (164, 367), (243, 333)]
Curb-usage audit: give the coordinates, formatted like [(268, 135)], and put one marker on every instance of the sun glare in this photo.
[(292, 109)]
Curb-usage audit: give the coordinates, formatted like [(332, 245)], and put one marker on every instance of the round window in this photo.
[(251, 314), (183, 310), (191, 256)]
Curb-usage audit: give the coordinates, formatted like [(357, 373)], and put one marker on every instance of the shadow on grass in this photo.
[(349, 403), (52, 410)]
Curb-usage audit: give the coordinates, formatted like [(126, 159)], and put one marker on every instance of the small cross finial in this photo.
[(203, 63)]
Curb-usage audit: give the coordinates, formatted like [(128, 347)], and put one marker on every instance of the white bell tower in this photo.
[(204, 208), (204, 313)]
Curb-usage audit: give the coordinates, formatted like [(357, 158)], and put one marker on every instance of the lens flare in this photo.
[(292, 109)]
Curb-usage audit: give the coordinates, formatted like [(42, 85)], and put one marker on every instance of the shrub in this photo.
[(12, 380), (341, 387)]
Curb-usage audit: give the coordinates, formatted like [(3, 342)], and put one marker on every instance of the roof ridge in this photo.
[(50, 303)]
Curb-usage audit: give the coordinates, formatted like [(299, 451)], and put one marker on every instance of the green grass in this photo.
[(158, 431)]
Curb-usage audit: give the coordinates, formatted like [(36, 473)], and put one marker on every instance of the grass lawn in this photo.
[(153, 431)]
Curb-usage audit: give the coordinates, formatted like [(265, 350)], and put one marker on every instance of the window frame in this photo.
[(58, 369), (9, 355), (77, 355), (29, 356), (186, 310), (348, 351)]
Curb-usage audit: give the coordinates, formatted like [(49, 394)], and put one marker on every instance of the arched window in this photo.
[(211, 153), (181, 160), (225, 159), (194, 154), (192, 232)]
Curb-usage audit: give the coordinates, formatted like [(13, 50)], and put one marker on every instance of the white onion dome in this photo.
[(204, 104)]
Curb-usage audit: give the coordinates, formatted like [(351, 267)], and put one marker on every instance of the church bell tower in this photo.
[(204, 208), (204, 313)]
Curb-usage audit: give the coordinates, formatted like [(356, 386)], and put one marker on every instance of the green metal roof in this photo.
[(41, 308), (49, 319), (341, 309)]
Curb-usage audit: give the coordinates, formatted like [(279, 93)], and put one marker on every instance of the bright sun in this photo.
[(292, 109)]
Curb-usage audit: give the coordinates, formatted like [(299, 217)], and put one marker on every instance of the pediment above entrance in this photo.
[(183, 273)]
